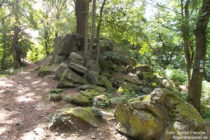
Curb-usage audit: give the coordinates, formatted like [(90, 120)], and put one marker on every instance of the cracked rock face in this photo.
[(153, 116)]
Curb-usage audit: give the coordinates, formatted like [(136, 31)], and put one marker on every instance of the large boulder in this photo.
[(92, 77), (65, 83), (79, 100), (91, 87), (160, 115), (78, 68), (70, 43), (101, 101), (65, 45), (70, 79), (76, 58), (74, 77), (60, 70), (76, 118), (47, 70), (84, 98)]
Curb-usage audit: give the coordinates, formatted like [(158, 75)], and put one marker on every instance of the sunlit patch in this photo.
[(36, 134), (44, 83), (24, 98), (36, 82), (28, 77), (2, 130), (3, 115), (5, 84)]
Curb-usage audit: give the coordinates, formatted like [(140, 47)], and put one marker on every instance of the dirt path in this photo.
[(24, 112)]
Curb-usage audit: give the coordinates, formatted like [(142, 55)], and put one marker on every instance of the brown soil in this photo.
[(24, 112)]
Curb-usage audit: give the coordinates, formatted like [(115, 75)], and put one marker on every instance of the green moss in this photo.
[(126, 87), (78, 99), (106, 82), (85, 114), (134, 100), (45, 70), (188, 112), (147, 98), (75, 118), (142, 122), (205, 112), (101, 101), (153, 84), (55, 97), (56, 90), (148, 75), (91, 93)]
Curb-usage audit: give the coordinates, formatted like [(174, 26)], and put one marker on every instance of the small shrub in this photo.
[(205, 98), (205, 113), (176, 75), (182, 96)]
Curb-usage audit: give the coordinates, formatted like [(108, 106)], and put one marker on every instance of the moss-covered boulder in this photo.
[(91, 87), (106, 82), (56, 90), (47, 70), (60, 70), (101, 101), (74, 77), (90, 93), (92, 77), (126, 87), (79, 100), (78, 68), (138, 124), (84, 98), (75, 118), (53, 96), (160, 115)]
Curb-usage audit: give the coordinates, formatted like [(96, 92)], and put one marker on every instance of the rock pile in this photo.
[(160, 115)]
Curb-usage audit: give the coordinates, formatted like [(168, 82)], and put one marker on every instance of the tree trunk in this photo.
[(86, 49), (15, 48), (92, 29), (15, 43), (46, 42), (195, 87), (80, 11), (98, 30), (186, 37)]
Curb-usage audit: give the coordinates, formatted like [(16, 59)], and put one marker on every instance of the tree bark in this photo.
[(86, 49), (98, 30), (195, 86), (15, 48), (80, 11), (185, 36), (15, 43), (92, 29)]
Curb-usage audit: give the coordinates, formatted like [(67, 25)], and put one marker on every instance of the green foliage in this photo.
[(10, 71), (205, 98), (37, 52), (176, 75), (56, 91), (205, 113), (182, 96)]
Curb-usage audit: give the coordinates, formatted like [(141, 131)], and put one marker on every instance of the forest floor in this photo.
[(24, 112)]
